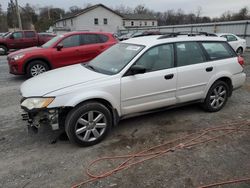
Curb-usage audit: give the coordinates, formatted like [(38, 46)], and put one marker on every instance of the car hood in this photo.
[(27, 50), (58, 79)]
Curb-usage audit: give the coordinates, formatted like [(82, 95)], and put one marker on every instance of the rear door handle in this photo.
[(169, 76), (209, 69)]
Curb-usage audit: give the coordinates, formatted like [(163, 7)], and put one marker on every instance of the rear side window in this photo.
[(217, 50), (29, 34), (90, 39), (103, 38), (189, 53)]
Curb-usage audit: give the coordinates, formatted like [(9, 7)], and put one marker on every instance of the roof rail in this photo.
[(187, 33)]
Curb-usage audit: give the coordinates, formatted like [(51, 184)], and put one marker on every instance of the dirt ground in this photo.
[(33, 161)]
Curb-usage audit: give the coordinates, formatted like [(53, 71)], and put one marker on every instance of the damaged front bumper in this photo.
[(46, 117)]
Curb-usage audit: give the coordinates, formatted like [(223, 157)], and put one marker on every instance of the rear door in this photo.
[(193, 71), (30, 39), (70, 53), (91, 46)]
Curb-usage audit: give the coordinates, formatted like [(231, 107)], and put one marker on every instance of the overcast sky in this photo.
[(212, 8)]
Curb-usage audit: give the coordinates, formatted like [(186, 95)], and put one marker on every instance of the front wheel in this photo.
[(216, 97), (36, 67), (88, 124), (3, 50)]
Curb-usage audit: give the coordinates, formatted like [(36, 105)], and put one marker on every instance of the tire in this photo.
[(88, 124), (36, 67), (3, 50), (216, 97), (239, 51)]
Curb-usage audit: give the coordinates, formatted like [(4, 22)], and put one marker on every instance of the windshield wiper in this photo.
[(90, 67)]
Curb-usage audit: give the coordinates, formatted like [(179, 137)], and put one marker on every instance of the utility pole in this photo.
[(18, 16)]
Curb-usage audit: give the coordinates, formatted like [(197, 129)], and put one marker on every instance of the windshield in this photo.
[(6, 35), (114, 59), (51, 42)]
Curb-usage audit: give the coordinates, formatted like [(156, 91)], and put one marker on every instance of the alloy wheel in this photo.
[(218, 96), (91, 126), (37, 69)]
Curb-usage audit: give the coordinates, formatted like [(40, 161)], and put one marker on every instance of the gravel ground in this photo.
[(32, 161)]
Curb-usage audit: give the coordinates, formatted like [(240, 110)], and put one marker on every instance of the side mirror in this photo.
[(59, 47), (11, 37), (137, 69)]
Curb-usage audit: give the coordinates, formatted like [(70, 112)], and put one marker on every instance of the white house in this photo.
[(94, 18), (139, 20), (101, 18)]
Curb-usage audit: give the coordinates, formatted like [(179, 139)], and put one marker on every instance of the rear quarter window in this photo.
[(217, 50)]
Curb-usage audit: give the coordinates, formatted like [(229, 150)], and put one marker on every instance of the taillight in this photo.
[(241, 61)]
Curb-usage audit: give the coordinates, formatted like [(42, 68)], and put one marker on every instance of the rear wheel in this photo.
[(216, 97), (88, 124), (3, 50), (36, 67)]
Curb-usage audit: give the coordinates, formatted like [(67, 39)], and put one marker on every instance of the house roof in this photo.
[(87, 10), (138, 17)]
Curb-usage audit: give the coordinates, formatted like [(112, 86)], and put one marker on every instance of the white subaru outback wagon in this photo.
[(137, 75)]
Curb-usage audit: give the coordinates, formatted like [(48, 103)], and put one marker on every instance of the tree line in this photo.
[(41, 18)]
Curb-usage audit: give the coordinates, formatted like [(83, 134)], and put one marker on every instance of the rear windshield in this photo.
[(217, 50)]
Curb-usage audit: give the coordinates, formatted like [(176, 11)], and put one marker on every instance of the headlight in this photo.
[(18, 56), (33, 103)]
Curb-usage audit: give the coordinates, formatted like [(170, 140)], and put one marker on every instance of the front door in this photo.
[(16, 40), (70, 53), (156, 87)]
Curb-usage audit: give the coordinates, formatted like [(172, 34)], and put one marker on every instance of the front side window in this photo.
[(216, 50), (71, 41), (114, 59), (189, 53), (52, 41), (157, 58), (18, 35)]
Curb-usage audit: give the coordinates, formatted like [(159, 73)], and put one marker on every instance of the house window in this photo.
[(105, 21), (140, 23), (72, 23), (132, 23), (64, 23), (153, 23), (123, 23), (96, 21), (145, 23)]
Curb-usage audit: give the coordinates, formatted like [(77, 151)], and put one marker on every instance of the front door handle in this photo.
[(169, 76), (209, 69)]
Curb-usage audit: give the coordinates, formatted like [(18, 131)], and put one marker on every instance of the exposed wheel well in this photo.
[(4, 45), (228, 81), (36, 59), (113, 111)]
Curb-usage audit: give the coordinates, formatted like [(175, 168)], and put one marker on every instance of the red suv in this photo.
[(63, 50)]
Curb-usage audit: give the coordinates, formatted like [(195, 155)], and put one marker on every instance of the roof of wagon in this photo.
[(155, 39)]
